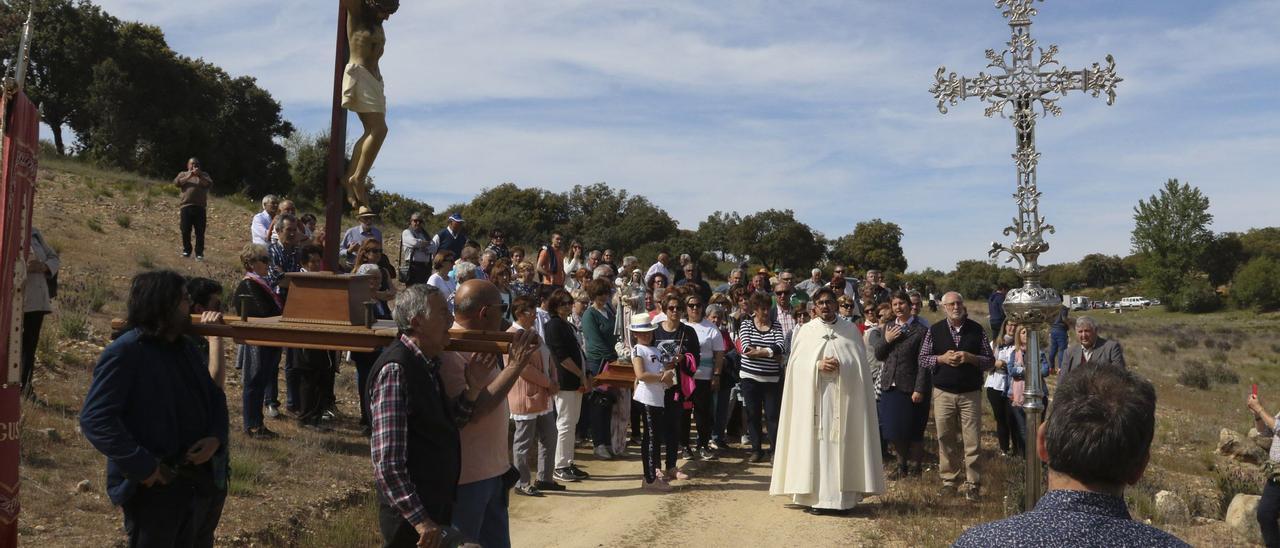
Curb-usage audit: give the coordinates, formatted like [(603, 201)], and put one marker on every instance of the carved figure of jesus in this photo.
[(362, 89)]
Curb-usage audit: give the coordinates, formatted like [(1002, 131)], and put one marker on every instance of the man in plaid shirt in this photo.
[(416, 448)]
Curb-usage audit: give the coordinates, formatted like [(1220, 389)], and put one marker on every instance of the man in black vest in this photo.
[(453, 237), (416, 448), (956, 352)]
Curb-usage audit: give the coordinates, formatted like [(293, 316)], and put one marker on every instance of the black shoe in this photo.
[(578, 472), (548, 486), (825, 512), (687, 454), (261, 433), (528, 491), (564, 474), (757, 457)]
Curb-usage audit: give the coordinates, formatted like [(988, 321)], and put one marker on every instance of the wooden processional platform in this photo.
[(327, 311)]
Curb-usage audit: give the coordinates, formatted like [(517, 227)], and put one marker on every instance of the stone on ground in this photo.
[(1232, 444), (1242, 517), (1171, 508)]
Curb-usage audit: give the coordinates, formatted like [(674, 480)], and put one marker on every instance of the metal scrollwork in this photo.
[(1026, 83)]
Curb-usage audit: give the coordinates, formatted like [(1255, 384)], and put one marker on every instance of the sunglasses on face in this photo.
[(694, 305), (781, 293), (673, 308)]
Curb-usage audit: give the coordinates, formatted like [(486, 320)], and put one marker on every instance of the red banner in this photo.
[(17, 193)]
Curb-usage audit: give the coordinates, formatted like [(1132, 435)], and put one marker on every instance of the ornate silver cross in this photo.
[(1024, 83)]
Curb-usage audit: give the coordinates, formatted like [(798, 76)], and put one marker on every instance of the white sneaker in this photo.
[(273, 411)]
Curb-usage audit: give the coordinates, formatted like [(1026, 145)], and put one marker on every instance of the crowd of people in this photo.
[(828, 379)]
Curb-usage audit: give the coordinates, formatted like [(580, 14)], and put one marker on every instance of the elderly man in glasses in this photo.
[(782, 312), (417, 248)]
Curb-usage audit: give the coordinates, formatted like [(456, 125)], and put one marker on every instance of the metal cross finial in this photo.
[(1022, 84)]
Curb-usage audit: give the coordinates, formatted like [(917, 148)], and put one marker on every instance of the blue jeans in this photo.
[(723, 410), (364, 366), (1268, 512), (259, 366), (480, 512), (762, 402), (290, 386), (172, 515), (1057, 348)]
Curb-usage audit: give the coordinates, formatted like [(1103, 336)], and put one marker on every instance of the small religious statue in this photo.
[(362, 89)]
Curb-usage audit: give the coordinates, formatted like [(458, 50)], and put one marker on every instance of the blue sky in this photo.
[(817, 106)]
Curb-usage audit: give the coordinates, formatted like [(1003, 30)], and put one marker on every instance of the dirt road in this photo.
[(727, 503)]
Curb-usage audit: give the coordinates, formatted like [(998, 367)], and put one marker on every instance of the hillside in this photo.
[(313, 489), (106, 227)]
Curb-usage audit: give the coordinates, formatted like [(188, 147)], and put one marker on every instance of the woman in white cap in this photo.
[(652, 379)]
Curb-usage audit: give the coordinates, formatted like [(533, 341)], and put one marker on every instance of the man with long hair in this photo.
[(156, 414)]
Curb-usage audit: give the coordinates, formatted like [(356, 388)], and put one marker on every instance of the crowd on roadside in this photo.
[(452, 433)]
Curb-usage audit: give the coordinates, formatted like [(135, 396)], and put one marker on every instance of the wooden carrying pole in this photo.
[(356, 338)]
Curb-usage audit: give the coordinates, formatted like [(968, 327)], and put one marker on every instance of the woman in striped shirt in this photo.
[(761, 371)]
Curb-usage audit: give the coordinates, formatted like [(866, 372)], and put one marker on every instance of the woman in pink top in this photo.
[(530, 401)]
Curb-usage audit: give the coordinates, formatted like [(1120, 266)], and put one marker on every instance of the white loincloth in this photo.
[(361, 91)]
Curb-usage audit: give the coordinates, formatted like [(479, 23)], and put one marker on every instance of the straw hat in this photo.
[(364, 211), (640, 323)]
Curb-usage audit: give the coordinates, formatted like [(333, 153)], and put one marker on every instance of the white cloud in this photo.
[(818, 106)]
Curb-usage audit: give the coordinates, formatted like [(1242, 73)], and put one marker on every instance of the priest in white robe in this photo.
[(828, 450)]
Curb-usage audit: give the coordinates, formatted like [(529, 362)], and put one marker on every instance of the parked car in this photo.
[(1134, 302), (1080, 303)]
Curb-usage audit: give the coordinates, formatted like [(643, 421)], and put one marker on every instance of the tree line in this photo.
[(134, 104)]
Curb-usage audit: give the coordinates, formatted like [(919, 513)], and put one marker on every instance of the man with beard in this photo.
[(828, 454), (154, 411)]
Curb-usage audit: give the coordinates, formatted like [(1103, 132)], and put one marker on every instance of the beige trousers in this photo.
[(959, 421)]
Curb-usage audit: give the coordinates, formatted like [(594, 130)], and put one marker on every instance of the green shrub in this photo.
[(1223, 374), (123, 220), (1196, 296), (1166, 348), (96, 296), (1194, 375), (95, 225), (1257, 285), (73, 323), (1234, 481), (246, 474), (146, 259)]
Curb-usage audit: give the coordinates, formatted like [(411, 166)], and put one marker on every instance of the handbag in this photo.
[(52, 281), (402, 271)]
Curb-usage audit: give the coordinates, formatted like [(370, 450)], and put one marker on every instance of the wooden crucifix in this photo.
[(357, 87)]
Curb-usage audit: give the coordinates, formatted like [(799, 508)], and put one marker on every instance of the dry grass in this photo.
[(277, 486)]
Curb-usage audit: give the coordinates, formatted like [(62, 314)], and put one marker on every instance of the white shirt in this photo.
[(998, 379), (445, 285), (648, 392), (259, 227), (710, 341), (417, 247)]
